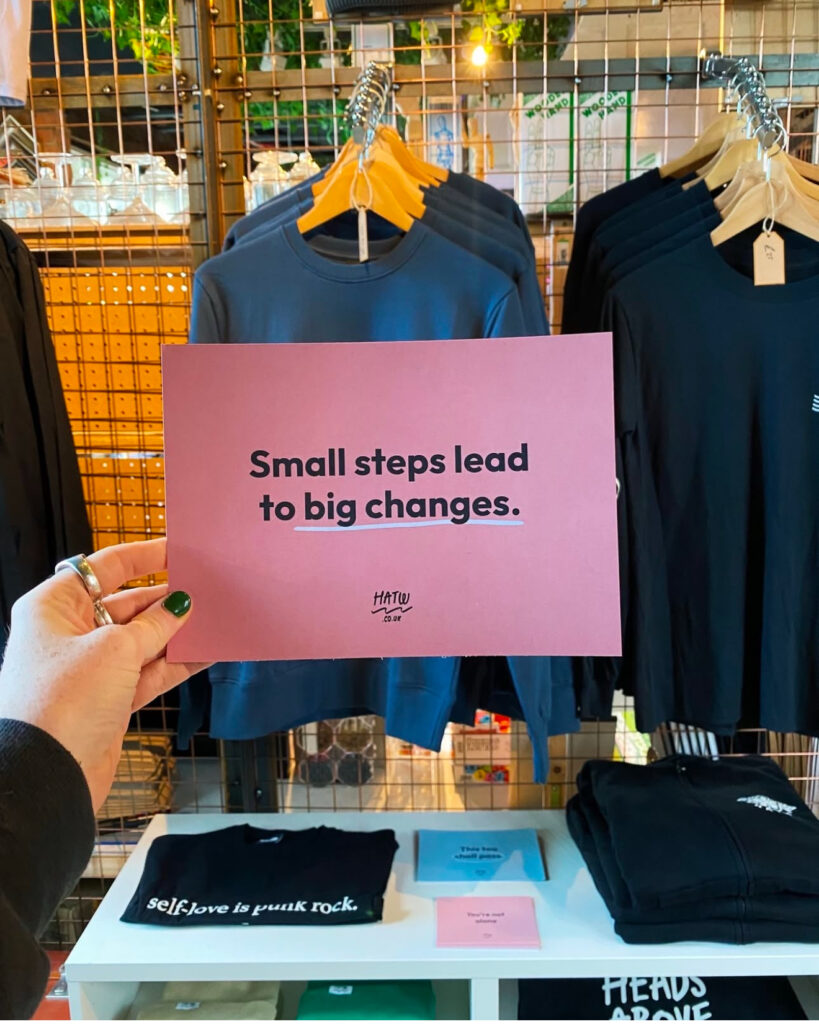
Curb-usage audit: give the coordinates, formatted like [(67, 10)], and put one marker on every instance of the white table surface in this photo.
[(576, 931)]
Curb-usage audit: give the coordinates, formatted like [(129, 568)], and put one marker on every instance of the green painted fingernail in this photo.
[(177, 603)]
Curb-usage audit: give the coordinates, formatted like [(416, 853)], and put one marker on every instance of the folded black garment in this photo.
[(246, 875), (385, 8), (737, 933), (658, 998), (786, 907), (743, 829), (731, 921)]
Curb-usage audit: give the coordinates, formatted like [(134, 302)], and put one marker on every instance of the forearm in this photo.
[(46, 839)]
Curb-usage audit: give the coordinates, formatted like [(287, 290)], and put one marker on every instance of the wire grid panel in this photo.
[(98, 174), (552, 103)]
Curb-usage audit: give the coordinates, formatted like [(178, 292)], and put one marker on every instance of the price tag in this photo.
[(769, 259), (363, 239), (310, 738)]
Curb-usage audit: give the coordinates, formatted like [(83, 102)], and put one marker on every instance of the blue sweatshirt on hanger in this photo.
[(543, 690), (458, 186), (502, 245), (278, 289)]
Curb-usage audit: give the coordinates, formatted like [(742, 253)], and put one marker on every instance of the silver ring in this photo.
[(82, 567)]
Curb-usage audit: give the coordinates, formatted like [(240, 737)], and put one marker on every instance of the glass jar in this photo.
[(305, 167), (269, 178), (160, 190)]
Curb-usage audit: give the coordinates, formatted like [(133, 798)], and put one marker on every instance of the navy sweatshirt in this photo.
[(242, 701), (448, 213), (277, 288), (247, 295)]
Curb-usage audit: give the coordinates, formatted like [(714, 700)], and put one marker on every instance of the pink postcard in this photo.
[(393, 499), (496, 922)]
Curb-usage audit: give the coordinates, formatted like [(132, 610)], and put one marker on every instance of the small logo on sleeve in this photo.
[(765, 803)]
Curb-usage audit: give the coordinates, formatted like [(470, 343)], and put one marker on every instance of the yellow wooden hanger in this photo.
[(418, 168), (703, 149), (375, 185), (405, 187), (411, 170)]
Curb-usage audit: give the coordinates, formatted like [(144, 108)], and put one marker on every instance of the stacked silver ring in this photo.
[(82, 567)]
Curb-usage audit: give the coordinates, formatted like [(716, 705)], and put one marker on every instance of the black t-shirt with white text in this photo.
[(247, 875), (658, 998)]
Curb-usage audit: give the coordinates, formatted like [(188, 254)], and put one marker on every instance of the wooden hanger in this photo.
[(738, 133), (789, 208), (738, 150), (726, 165), (752, 173), (807, 170), (380, 185), (703, 149), (416, 171), (402, 153)]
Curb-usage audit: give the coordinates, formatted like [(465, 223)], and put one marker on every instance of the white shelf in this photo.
[(577, 936)]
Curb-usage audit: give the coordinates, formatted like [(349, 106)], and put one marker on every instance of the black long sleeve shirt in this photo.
[(46, 839)]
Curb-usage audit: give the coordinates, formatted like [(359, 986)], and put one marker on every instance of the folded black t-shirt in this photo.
[(247, 875)]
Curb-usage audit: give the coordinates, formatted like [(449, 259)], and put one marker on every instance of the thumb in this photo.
[(153, 628)]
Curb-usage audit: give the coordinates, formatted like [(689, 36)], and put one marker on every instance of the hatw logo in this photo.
[(392, 604), (765, 803), (815, 405)]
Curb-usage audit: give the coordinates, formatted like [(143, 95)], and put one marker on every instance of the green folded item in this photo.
[(367, 1000), (251, 1009), (219, 991)]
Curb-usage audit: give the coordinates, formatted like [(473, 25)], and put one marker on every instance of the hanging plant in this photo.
[(490, 25), (141, 26)]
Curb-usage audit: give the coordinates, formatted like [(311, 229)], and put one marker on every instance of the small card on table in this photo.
[(488, 922), (503, 855)]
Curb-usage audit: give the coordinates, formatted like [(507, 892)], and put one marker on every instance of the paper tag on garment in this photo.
[(363, 240), (309, 739), (769, 259)]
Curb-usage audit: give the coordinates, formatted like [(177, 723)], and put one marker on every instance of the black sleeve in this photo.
[(46, 839), (596, 679), (646, 670)]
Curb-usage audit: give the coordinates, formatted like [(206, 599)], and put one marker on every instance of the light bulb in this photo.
[(479, 56)]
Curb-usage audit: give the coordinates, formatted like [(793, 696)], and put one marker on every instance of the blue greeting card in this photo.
[(508, 855)]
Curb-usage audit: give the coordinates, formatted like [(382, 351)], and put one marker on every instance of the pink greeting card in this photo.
[(489, 922), (400, 499)]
